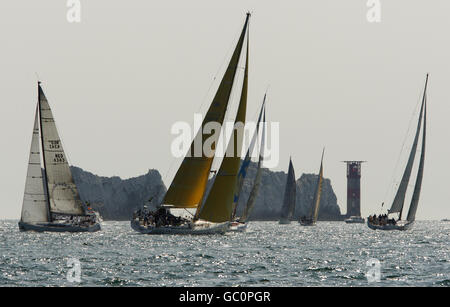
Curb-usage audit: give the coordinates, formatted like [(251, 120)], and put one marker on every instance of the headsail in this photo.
[(189, 183), (246, 162), (62, 191), (218, 204), (34, 207), (416, 194), (254, 192), (287, 211), (399, 200), (318, 193)]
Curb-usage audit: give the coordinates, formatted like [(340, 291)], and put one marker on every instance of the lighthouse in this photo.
[(353, 188)]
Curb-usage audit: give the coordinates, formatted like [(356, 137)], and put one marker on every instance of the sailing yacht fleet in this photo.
[(52, 203)]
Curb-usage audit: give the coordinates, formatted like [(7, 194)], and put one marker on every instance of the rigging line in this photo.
[(391, 186), (188, 211), (224, 60), (239, 75), (258, 107), (238, 79), (170, 168), (227, 117), (254, 117)]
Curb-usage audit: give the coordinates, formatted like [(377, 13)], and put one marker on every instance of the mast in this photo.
[(399, 200), (188, 186), (46, 190), (415, 198)]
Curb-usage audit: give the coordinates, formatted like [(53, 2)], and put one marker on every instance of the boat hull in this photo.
[(237, 227), (284, 222), (303, 223), (51, 227), (205, 229), (307, 222), (362, 221), (403, 226)]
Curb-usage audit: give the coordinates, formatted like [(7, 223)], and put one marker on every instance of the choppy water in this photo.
[(268, 254)]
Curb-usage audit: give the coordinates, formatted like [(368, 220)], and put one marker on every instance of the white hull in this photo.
[(199, 228), (355, 220), (399, 226), (237, 227)]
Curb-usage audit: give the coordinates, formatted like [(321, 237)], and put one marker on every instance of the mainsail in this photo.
[(188, 186), (399, 200), (218, 205), (287, 211), (254, 192), (318, 193), (416, 194), (34, 206), (246, 162), (62, 191)]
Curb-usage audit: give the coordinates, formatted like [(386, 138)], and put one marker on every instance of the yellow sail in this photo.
[(189, 183), (218, 205)]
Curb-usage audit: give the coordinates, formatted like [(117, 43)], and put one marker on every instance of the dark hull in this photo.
[(284, 221), (307, 222), (303, 223), (50, 227), (404, 226)]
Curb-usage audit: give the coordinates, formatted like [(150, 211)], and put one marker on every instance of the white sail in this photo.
[(34, 206), (416, 195), (399, 200), (63, 193)]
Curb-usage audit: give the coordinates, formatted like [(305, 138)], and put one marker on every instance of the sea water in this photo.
[(267, 254)]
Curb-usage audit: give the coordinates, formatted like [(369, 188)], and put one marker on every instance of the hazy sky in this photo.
[(120, 78)]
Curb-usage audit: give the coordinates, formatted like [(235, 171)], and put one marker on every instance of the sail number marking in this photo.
[(59, 158)]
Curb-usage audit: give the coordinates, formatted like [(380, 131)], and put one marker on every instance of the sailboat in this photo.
[(51, 200), (188, 188), (312, 218), (384, 222), (239, 224), (287, 211)]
